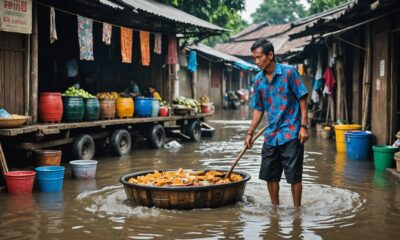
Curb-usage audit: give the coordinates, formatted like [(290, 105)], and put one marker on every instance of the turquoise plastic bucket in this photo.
[(84, 169), (50, 178)]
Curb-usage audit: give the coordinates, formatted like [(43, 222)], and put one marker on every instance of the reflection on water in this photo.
[(340, 198)]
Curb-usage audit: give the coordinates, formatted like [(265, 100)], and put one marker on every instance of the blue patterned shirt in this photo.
[(280, 99)]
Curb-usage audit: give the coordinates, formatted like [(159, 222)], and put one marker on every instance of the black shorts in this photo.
[(288, 157)]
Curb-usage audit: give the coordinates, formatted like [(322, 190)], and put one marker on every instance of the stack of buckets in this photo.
[(358, 144), (49, 178)]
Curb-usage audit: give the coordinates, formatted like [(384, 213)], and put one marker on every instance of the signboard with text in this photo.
[(16, 16)]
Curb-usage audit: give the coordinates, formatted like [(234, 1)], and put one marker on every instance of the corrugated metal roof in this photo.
[(265, 32), (242, 48), (223, 56), (170, 13), (111, 4)]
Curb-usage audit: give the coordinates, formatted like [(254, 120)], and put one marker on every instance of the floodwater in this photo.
[(341, 199)]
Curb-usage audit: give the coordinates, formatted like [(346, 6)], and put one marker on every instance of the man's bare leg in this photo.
[(297, 189), (273, 189)]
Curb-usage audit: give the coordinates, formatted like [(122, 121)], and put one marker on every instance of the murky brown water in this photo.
[(341, 199)]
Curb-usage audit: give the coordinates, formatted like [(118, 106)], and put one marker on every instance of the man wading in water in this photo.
[(279, 91)]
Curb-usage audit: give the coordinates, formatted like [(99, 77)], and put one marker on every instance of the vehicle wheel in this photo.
[(121, 142), (83, 147), (193, 130), (156, 136)]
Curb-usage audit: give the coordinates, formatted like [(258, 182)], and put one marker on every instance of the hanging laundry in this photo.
[(182, 58), (192, 65), (157, 43), (53, 30), (145, 47), (315, 96), (126, 44), (172, 50), (318, 73), (301, 69), (330, 81), (107, 31), (85, 36)]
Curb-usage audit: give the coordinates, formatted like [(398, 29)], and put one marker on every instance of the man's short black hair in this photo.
[(264, 44)]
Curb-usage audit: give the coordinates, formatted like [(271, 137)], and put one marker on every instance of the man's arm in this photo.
[(256, 119), (303, 133)]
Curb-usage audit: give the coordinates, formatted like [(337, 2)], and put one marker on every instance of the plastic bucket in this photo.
[(163, 112), (155, 107), (84, 169), (50, 178), (48, 157), (19, 182), (339, 135), (383, 156), (358, 145)]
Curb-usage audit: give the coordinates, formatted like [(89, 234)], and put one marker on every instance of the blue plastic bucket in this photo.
[(50, 178), (143, 107), (358, 145), (84, 169)]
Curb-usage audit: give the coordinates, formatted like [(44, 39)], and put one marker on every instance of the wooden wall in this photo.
[(209, 81), (12, 65), (380, 93)]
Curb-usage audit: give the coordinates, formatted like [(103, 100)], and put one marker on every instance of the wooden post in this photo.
[(3, 162), (171, 81), (34, 64), (367, 76), (194, 85), (27, 64)]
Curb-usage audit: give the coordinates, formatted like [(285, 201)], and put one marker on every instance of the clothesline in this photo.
[(94, 20)]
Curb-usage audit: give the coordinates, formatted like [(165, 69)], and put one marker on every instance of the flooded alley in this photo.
[(341, 199)]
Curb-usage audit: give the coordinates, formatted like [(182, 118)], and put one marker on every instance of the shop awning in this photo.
[(218, 56), (163, 11)]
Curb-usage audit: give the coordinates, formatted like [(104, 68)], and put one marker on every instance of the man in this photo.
[(132, 90), (154, 93), (279, 91)]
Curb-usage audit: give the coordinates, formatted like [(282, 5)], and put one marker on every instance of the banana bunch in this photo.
[(108, 95), (187, 102)]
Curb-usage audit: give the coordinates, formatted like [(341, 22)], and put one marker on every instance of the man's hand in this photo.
[(247, 141), (303, 135)]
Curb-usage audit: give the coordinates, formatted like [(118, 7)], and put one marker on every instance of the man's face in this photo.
[(262, 60)]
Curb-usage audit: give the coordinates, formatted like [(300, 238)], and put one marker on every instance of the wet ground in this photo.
[(341, 199)]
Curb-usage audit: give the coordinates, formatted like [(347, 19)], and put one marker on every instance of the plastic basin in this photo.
[(83, 169)]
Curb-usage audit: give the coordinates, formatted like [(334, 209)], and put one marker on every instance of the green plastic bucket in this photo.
[(384, 156)]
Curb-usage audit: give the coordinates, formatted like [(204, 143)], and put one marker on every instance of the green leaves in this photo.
[(278, 12)]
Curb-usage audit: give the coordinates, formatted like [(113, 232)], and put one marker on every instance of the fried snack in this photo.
[(182, 177)]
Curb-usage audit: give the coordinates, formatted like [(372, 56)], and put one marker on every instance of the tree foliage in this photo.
[(317, 6), (223, 13), (278, 11)]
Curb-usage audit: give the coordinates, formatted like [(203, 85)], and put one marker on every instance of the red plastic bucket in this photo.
[(19, 182), (163, 112)]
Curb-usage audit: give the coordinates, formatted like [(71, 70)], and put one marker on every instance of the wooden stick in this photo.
[(243, 151), (3, 162)]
